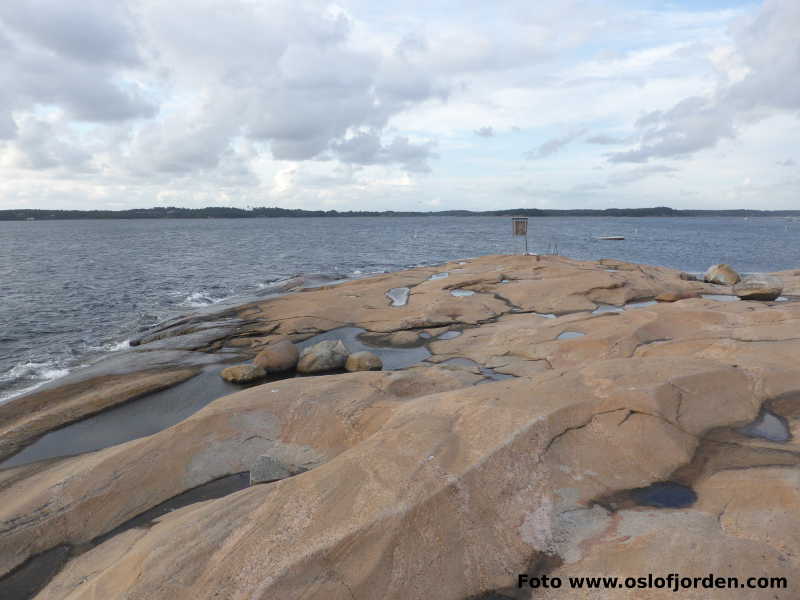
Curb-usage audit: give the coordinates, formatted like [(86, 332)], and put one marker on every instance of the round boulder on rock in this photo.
[(329, 355), (277, 358), (721, 274), (404, 339), (363, 361), (243, 374), (758, 286)]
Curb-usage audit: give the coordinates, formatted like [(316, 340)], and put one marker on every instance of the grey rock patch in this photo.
[(267, 468)]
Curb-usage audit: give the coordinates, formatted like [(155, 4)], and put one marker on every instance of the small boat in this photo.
[(611, 237)]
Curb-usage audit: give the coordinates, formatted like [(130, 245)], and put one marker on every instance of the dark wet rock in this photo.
[(278, 358), (758, 286), (363, 361), (26, 580), (243, 374), (329, 355), (188, 341)]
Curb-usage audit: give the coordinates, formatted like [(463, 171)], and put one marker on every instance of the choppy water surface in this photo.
[(73, 290)]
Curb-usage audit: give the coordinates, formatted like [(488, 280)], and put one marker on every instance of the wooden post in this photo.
[(519, 226)]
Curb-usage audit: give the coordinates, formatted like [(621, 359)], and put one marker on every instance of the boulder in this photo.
[(721, 274), (328, 355), (404, 338), (758, 286), (363, 361), (675, 295), (243, 374), (277, 358), (267, 468)]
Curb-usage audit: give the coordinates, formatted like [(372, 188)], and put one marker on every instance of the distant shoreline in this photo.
[(214, 212)]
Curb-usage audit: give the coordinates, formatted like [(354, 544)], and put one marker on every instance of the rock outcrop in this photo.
[(421, 483), (279, 357), (721, 274), (758, 286), (243, 374), (363, 361), (322, 357)]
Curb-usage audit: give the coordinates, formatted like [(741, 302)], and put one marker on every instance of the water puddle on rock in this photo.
[(135, 419), (448, 335), (398, 296), (768, 426), (25, 581), (461, 293), (607, 308), (393, 358), (641, 304), (664, 494), (546, 315), (570, 335), (720, 297), (439, 276)]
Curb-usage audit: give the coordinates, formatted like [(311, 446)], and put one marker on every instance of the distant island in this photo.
[(225, 212)]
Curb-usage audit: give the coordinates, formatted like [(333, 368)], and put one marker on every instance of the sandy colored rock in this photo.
[(421, 483), (363, 361), (301, 422), (758, 286), (243, 374), (328, 355), (403, 339), (278, 357), (484, 482), (721, 274)]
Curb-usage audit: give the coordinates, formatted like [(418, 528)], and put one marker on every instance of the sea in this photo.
[(73, 291)]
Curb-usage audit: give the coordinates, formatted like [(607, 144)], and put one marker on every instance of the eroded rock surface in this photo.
[(419, 483)]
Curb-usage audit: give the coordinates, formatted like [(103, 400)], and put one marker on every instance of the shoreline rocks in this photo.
[(279, 357), (243, 374), (363, 361), (721, 274), (328, 355), (420, 483), (758, 286)]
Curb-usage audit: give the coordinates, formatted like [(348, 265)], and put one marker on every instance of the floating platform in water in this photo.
[(611, 237)]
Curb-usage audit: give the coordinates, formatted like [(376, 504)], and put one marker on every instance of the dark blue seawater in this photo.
[(73, 290)]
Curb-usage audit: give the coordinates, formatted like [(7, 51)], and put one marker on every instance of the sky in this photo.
[(399, 105)]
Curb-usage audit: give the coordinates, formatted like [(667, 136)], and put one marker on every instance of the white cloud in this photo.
[(359, 104)]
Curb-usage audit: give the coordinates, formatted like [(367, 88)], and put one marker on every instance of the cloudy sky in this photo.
[(406, 105)]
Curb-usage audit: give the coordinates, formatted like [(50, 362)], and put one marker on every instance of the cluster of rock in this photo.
[(756, 286), (283, 357)]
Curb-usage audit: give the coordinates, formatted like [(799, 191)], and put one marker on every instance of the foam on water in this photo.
[(37, 372)]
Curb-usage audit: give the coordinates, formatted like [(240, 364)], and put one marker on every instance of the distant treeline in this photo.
[(224, 212)]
